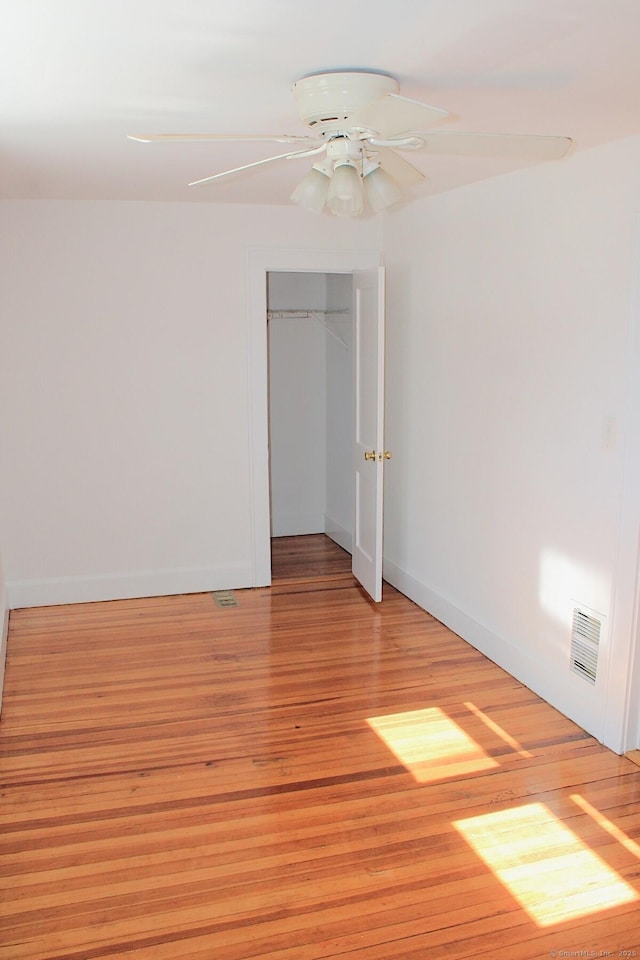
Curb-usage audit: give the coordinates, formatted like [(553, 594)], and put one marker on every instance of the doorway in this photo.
[(309, 325), (261, 262)]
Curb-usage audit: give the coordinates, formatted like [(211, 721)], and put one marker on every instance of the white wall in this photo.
[(124, 365), (297, 405), (510, 361)]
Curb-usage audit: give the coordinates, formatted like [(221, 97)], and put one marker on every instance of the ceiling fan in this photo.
[(358, 122)]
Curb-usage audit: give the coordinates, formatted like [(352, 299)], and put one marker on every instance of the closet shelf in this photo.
[(320, 315)]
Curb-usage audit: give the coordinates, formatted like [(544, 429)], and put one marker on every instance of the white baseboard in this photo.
[(338, 534), (562, 690), (123, 586)]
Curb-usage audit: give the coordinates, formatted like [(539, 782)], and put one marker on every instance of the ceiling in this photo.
[(77, 76)]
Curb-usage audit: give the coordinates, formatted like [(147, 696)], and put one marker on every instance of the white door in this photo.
[(369, 454)]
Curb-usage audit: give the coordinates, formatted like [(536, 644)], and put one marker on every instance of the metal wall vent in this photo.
[(585, 643), (225, 598)]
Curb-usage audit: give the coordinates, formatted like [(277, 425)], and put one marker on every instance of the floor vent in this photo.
[(225, 598), (585, 643)]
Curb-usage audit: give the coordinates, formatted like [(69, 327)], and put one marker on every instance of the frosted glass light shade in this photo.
[(345, 197), (381, 189), (311, 192)]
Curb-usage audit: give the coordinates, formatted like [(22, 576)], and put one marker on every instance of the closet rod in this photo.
[(303, 313)]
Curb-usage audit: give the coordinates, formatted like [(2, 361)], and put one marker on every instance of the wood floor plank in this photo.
[(312, 557), (183, 780)]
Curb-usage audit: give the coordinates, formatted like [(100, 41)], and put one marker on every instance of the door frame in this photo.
[(260, 262), (621, 726)]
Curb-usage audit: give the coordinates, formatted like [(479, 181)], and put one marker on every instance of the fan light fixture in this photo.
[(342, 181), (382, 190), (345, 197), (311, 192)]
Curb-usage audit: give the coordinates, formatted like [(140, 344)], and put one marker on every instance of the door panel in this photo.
[(368, 314)]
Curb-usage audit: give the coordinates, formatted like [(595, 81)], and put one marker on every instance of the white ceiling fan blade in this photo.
[(506, 145), (260, 163), (213, 137), (392, 115), (400, 169)]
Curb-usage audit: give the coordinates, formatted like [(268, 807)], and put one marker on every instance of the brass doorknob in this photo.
[(387, 454), (369, 454)]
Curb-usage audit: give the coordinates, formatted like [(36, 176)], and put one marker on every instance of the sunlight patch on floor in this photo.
[(607, 825), (430, 745), (498, 730), (552, 874)]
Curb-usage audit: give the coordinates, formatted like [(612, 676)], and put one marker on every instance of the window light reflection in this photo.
[(552, 874), (562, 578), (430, 744)]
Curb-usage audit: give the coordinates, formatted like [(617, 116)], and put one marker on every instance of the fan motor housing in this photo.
[(327, 99)]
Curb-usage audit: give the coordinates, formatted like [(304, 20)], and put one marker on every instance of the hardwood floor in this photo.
[(310, 557), (303, 776)]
